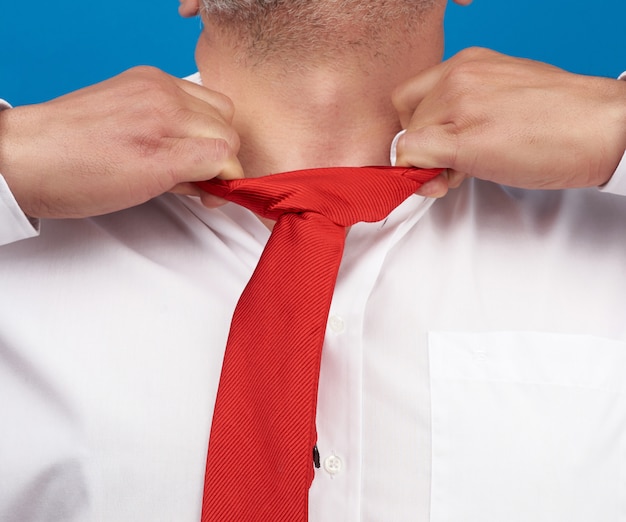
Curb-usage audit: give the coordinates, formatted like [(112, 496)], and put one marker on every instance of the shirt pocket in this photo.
[(527, 427)]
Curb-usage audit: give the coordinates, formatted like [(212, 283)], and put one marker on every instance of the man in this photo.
[(474, 357)]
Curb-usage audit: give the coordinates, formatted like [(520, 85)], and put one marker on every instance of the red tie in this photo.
[(260, 459)]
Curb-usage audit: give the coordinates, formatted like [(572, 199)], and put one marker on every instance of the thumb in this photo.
[(428, 147)]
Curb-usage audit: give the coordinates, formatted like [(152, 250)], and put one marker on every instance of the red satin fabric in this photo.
[(260, 458)]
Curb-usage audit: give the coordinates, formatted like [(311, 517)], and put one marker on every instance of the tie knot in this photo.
[(344, 195)]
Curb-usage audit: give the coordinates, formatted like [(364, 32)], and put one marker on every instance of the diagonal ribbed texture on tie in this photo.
[(260, 458)]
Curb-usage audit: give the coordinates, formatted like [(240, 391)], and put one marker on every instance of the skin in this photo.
[(119, 143), (530, 125), (190, 8), (116, 144), (337, 110), (481, 114)]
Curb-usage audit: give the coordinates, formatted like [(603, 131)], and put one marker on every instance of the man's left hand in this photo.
[(512, 121)]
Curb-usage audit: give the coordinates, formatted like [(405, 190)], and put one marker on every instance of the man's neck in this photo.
[(312, 116)]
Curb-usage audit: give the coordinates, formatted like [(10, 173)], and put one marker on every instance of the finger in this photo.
[(410, 94), (212, 201), (456, 178), (440, 82), (463, 2), (439, 186), (210, 125), (434, 146), (232, 169), (187, 189), (191, 189), (436, 187), (198, 159), (223, 104)]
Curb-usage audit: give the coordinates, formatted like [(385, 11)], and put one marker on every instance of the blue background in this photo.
[(49, 48)]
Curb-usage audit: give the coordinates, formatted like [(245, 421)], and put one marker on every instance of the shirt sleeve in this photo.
[(14, 224), (617, 183)]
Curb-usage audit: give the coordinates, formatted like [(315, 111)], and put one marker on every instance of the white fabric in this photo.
[(617, 183), (393, 150), (14, 224), (498, 313)]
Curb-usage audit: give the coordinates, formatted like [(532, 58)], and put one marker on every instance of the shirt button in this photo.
[(333, 464), (336, 324)]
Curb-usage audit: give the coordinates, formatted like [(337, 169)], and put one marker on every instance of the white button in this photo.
[(333, 464), (336, 324)]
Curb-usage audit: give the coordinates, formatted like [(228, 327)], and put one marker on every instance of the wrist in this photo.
[(616, 128), (13, 141)]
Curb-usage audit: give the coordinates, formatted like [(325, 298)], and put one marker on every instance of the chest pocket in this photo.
[(527, 427)]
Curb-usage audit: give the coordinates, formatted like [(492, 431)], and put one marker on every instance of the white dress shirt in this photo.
[(473, 369)]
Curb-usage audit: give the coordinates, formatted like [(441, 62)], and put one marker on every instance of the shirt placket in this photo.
[(336, 491)]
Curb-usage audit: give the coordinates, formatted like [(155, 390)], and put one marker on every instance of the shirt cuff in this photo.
[(617, 182), (14, 224)]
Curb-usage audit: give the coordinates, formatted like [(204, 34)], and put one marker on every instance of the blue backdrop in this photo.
[(49, 48)]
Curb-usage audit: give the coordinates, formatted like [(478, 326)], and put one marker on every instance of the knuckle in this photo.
[(145, 71), (216, 129), (220, 150), (232, 138), (187, 158), (225, 106), (473, 66), (442, 139), (397, 97), (474, 53), (146, 85), (462, 85), (463, 74)]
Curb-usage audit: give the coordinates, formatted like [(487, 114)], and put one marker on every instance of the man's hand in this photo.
[(117, 144), (513, 121)]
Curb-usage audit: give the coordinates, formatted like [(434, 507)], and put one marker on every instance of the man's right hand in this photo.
[(117, 144)]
